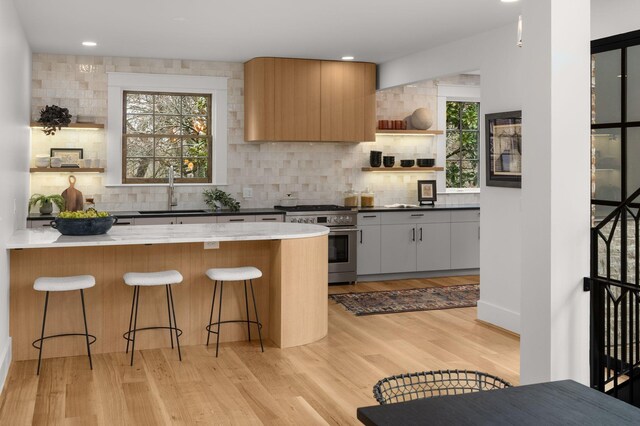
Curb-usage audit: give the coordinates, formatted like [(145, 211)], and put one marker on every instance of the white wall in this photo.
[(499, 60), (612, 17), (15, 86)]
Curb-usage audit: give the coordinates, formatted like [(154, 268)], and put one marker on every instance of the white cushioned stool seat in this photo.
[(75, 282), (153, 278), (234, 274)]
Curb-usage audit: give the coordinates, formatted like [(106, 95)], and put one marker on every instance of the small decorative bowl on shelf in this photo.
[(90, 222), (426, 162), (407, 163)]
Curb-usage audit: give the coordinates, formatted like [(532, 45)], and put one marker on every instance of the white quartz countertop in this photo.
[(166, 234)]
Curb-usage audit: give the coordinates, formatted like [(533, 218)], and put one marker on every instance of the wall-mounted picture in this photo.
[(504, 149), (70, 156), (427, 193)]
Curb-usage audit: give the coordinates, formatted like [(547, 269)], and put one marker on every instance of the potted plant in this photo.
[(46, 202), (54, 118), (216, 199)]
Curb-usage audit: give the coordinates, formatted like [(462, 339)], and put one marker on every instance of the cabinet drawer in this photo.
[(269, 218), (185, 220), (236, 218), (154, 220), (369, 218), (39, 223), (465, 215), (392, 218)]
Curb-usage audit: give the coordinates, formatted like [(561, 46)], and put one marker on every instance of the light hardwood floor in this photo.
[(321, 383)]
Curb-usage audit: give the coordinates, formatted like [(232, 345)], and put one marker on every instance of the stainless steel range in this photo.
[(342, 236)]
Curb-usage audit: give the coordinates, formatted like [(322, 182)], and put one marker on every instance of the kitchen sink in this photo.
[(170, 212)]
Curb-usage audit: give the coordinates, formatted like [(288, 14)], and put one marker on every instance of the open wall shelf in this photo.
[(408, 132), (66, 170), (403, 169), (36, 125)]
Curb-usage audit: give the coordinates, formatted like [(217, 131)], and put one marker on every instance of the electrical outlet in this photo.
[(210, 245), (247, 192)]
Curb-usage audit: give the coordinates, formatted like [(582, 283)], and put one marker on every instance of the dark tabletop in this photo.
[(557, 403)]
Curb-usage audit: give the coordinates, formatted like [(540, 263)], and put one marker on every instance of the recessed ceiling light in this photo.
[(89, 43), (348, 58), (508, 1)]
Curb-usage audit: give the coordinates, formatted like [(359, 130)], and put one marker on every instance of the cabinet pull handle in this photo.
[(369, 216), (361, 236), (122, 223), (420, 233), (417, 215), (268, 218), (413, 232), (236, 220)]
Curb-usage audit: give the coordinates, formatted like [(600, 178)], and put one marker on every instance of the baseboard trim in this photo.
[(499, 316), (500, 329), (5, 362), (410, 275)]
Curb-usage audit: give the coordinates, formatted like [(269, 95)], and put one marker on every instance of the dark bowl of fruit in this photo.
[(90, 222)]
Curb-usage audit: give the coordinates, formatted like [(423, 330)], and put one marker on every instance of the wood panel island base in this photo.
[(291, 295)]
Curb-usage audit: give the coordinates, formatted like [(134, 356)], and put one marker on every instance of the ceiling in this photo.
[(237, 30)]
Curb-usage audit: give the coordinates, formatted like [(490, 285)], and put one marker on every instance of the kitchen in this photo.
[(260, 175)]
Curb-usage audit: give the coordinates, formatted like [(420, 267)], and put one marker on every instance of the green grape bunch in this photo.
[(89, 214)]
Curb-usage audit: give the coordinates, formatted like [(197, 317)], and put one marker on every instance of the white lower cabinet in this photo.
[(170, 220), (186, 220), (434, 246), (465, 245), (398, 248), (236, 218), (400, 242), (369, 250)]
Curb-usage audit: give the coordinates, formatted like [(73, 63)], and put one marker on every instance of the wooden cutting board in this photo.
[(73, 200)]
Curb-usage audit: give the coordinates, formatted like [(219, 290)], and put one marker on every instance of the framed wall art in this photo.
[(70, 156), (427, 193), (504, 149)]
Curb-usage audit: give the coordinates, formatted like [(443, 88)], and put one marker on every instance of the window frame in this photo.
[(453, 92), (208, 136), (119, 82), (461, 131)]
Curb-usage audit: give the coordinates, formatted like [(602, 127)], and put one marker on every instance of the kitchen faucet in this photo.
[(172, 198)]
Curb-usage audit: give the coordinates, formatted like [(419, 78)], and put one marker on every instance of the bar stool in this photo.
[(152, 279), (56, 284), (233, 274)]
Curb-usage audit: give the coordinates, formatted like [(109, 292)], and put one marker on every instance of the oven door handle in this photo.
[(337, 230)]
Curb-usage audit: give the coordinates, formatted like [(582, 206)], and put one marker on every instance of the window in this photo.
[(463, 140), (162, 130), (159, 120)]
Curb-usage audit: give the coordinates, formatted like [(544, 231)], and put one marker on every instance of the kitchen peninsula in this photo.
[(291, 295)]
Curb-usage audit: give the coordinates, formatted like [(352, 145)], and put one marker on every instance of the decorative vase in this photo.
[(421, 119), (46, 208)]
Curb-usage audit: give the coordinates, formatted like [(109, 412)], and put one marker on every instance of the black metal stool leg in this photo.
[(219, 318), (246, 305), (169, 312), (175, 323), (44, 320), (213, 301), (86, 330), (255, 308), (133, 303), (135, 322)]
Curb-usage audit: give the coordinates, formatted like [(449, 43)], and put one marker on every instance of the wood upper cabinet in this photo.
[(348, 101), (309, 100), (297, 100)]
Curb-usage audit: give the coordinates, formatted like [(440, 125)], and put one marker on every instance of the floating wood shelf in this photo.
[(408, 132), (66, 170), (403, 169), (35, 124)]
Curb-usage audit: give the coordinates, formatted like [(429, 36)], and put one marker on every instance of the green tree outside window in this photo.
[(462, 147)]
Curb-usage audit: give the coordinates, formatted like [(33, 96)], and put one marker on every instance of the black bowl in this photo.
[(407, 163), (375, 158), (88, 226), (388, 161), (426, 162)]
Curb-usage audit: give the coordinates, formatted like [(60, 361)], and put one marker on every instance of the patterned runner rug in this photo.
[(410, 300)]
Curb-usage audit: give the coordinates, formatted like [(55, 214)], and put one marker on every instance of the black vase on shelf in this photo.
[(375, 158)]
